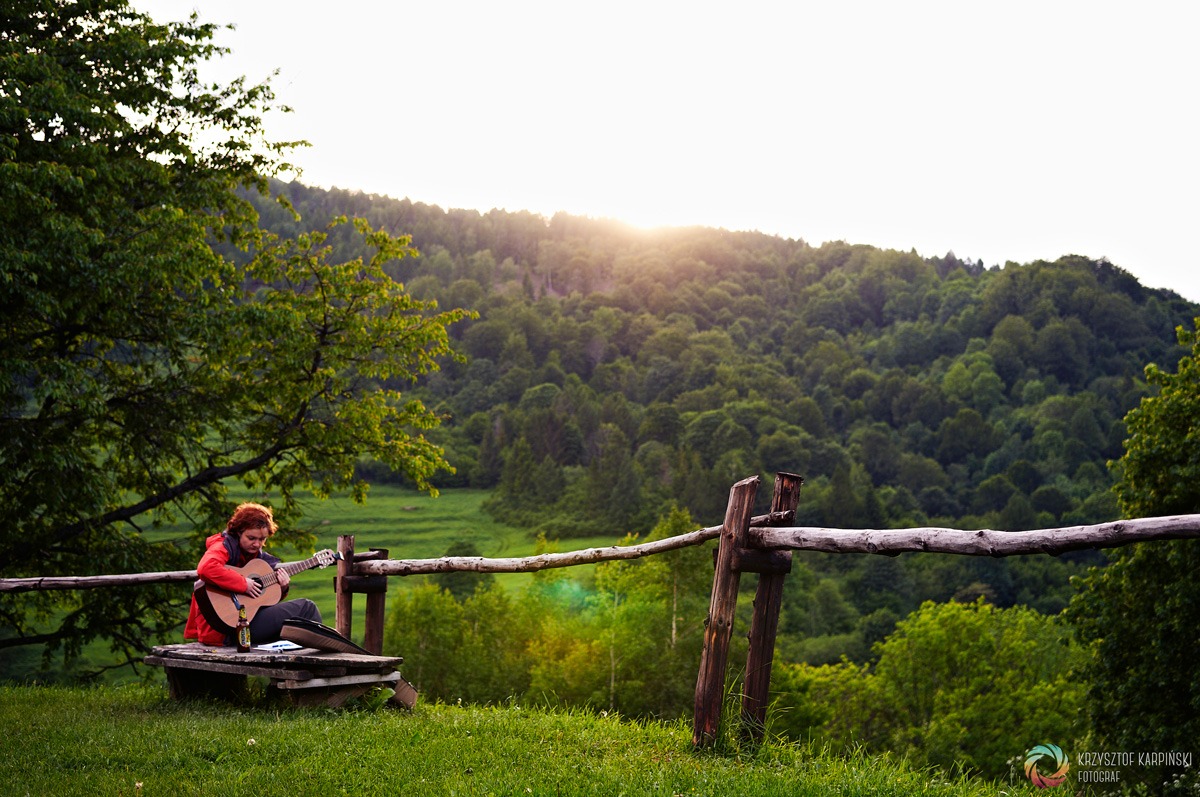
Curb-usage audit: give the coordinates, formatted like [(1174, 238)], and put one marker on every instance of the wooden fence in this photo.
[(760, 544)]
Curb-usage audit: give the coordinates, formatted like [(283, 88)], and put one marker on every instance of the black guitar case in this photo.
[(312, 634)]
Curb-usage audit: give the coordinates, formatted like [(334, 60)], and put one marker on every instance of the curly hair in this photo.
[(250, 516)]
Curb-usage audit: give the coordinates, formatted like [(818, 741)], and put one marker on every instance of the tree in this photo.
[(426, 626), (956, 685), (140, 368), (1141, 611)]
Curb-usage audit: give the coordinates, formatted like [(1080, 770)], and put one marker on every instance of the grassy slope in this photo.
[(105, 741)]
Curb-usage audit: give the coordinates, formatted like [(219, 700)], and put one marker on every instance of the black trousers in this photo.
[(268, 621)]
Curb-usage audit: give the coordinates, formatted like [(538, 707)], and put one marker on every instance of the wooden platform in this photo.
[(308, 676)]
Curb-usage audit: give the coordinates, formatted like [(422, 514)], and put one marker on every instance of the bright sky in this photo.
[(1002, 131)]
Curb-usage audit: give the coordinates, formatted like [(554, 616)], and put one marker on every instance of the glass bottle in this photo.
[(243, 631)]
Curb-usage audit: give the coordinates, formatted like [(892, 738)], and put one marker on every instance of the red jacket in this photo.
[(212, 568)]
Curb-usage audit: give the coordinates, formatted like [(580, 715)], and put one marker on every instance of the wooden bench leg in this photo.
[(406, 694), (185, 684)]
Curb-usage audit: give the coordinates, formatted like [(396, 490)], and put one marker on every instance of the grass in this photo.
[(134, 741)]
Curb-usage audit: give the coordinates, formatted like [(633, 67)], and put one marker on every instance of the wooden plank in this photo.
[(343, 680), (718, 627), (307, 657), (173, 663), (764, 625), (365, 585), (230, 654)]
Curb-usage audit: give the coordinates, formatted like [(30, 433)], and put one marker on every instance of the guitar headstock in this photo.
[(327, 557)]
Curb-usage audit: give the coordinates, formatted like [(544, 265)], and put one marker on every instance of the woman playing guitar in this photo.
[(240, 543)]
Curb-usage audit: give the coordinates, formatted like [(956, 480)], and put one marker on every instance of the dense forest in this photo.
[(613, 373)]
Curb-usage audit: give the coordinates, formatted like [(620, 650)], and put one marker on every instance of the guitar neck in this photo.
[(322, 559), (292, 568)]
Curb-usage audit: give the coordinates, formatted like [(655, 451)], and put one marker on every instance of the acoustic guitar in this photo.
[(220, 606)]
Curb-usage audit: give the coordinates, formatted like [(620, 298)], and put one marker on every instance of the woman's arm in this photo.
[(214, 569)]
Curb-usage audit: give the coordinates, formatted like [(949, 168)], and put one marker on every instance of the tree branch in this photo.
[(202, 478)]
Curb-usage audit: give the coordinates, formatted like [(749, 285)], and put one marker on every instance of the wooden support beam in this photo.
[(364, 585), (376, 611), (718, 627), (764, 624), (753, 560), (343, 598)]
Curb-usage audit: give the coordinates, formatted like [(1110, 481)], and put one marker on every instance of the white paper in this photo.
[(283, 644)]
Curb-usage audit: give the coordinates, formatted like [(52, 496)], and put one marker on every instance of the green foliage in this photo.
[(1140, 613), (626, 639), (473, 650), (140, 370), (956, 685), (1157, 474), (135, 742)]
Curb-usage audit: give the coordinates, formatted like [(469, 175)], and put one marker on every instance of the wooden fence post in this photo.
[(718, 627), (376, 607), (765, 623), (343, 598)]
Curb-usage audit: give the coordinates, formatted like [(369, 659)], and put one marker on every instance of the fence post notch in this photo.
[(718, 627)]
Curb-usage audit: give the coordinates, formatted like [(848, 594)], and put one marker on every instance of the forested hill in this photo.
[(613, 370)]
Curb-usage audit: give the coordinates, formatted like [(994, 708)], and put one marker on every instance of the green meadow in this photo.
[(133, 741)]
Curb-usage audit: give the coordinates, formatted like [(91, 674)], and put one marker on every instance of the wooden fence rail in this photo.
[(761, 544), (891, 542), (746, 549), (372, 565), (984, 542), (548, 561), (94, 582)]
